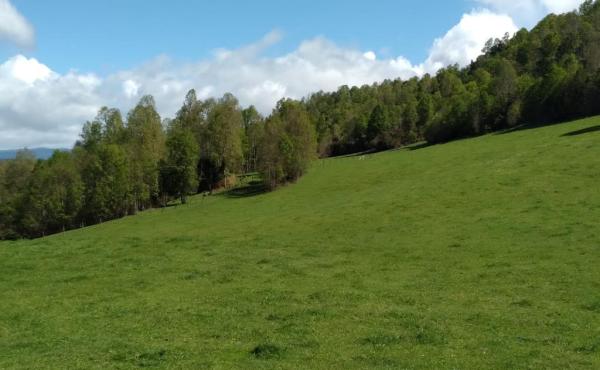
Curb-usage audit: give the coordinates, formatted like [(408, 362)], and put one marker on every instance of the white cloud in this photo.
[(14, 27), (131, 88), (561, 6), (39, 107), (370, 55), (464, 42), (25, 70), (317, 64), (527, 12)]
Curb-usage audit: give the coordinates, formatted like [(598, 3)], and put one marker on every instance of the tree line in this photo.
[(548, 74), (123, 165)]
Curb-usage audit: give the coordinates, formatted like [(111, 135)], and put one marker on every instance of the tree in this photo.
[(288, 144), (193, 114), (377, 124), (7, 210), (53, 197), (146, 147), (299, 141), (105, 174), (271, 162), (253, 130), (223, 154), (112, 124), (410, 118), (178, 171), (13, 184)]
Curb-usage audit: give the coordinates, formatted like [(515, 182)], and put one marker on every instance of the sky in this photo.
[(61, 60)]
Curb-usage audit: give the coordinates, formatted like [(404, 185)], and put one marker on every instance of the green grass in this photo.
[(482, 253)]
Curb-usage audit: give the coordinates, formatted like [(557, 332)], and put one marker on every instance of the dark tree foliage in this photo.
[(253, 131), (53, 197), (14, 180), (178, 170), (548, 74), (288, 144)]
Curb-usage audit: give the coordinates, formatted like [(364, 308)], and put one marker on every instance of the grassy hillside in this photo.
[(482, 253)]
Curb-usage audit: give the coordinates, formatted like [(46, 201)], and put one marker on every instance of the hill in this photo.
[(480, 253), (40, 153)]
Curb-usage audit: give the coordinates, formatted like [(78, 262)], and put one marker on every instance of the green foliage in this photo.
[(222, 154), (253, 131), (53, 198), (544, 75), (120, 167), (146, 146), (179, 177), (271, 162), (105, 175), (14, 180), (288, 144)]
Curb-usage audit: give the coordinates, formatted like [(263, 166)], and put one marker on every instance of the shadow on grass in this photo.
[(252, 189), (418, 146), (528, 126), (583, 131), (351, 155)]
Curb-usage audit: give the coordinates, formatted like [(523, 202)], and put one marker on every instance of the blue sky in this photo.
[(105, 36), (61, 60)]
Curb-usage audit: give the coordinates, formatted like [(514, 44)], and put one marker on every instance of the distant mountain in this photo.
[(40, 153)]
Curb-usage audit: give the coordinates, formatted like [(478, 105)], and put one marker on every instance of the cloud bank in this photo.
[(464, 42)]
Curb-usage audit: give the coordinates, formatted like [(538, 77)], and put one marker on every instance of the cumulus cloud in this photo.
[(463, 43), (39, 107), (131, 88), (527, 12), (14, 27), (25, 70)]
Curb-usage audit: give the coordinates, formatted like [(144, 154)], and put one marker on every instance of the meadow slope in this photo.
[(481, 253)]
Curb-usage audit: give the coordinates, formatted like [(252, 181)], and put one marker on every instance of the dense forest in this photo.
[(548, 74), (123, 165)]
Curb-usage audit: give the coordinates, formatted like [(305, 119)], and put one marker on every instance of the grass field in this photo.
[(481, 253)]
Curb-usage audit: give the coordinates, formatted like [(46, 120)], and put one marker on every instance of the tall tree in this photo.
[(223, 140), (146, 147), (113, 125), (271, 152), (253, 130), (288, 144), (105, 174), (301, 138), (178, 171)]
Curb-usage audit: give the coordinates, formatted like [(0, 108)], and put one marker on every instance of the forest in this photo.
[(125, 164)]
